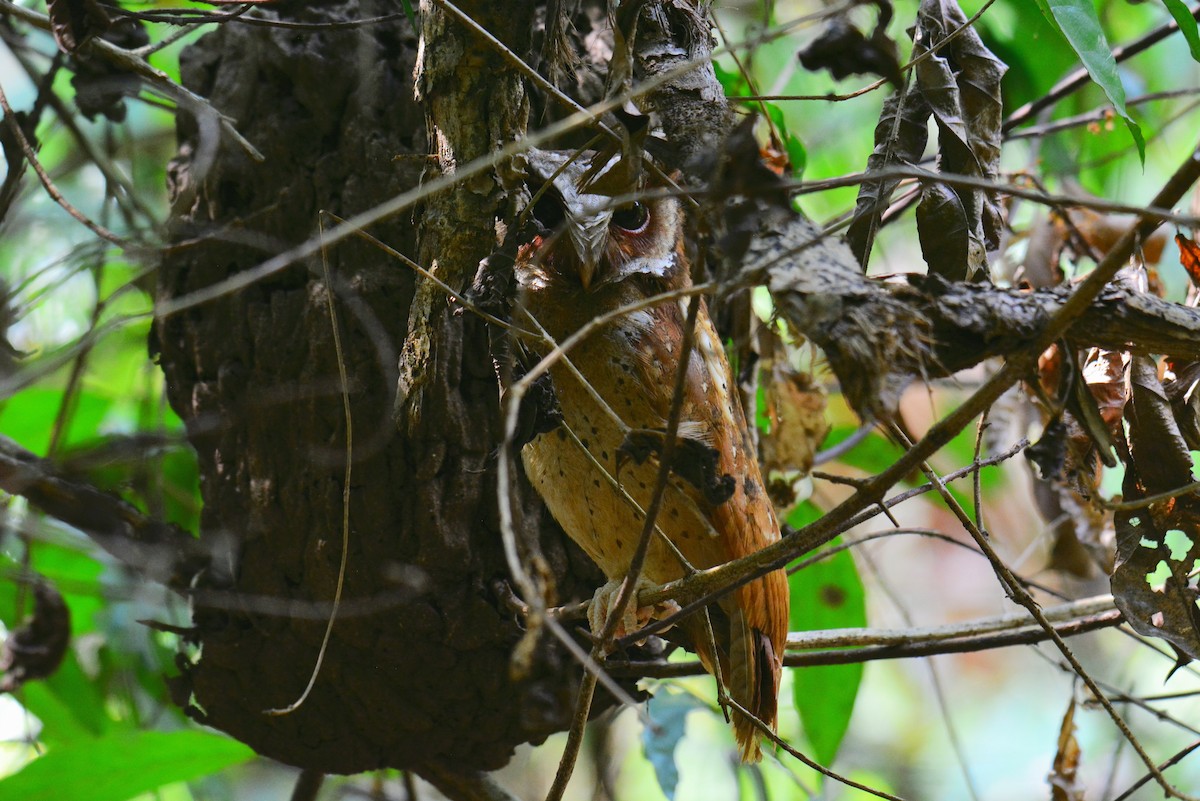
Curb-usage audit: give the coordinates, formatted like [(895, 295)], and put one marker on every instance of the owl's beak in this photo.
[(589, 237)]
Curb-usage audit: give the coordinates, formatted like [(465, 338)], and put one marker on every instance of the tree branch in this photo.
[(159, 551), (458, 786), (864, 645)]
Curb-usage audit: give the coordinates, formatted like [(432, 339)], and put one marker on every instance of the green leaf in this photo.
[(797, 155), (1077, 21), (28, 417), (872, 455), (69, 705), (120, 767), (731, 81), (668, 712), (826, 594), (410, 13), (1187, 25)]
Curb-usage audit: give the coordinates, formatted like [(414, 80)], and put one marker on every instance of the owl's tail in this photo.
[(750, 671)]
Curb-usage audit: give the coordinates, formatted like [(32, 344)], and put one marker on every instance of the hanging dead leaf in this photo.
[(844, 50), (36, 649), (957, 82), (1182, 385), (961, 84), (1063, 778), (944, 230), (1154, 582), (1091, 398), (73, 22), (1043, 252), (900, 138), (1189, 257), (795, 409), (1081, 530), (1101, 232), (1157, 447), (100, 86), (1181, 380)]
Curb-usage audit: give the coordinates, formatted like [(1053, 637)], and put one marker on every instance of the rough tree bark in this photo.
[(417, 671)]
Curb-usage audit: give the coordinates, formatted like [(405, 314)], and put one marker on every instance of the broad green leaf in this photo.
[(668, 711), (76, 574), (28, 417), (69, 705), (1077, 21), (1030, 44), (410, 13), (731, 81), (827, 594), (1187, 25), (120, 767)]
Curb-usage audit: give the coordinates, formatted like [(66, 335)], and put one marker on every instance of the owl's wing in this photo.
[(744, 521)]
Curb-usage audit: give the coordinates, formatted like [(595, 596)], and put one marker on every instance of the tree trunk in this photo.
[(418, 668)]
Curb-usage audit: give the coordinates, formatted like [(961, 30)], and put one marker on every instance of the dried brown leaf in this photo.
[(1182, 385), (1159, 450), (900, 138), (1189, 257), (795, 407), (957, 82), (947, 244), (73, 22), (1063, 776), (844, 50), (961, 84), (1154, 582)]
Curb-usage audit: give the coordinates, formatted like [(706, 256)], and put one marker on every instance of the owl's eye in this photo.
[(548, 210), (632, 218)]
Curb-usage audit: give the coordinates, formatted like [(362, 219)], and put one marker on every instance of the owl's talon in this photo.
[(634, 618)]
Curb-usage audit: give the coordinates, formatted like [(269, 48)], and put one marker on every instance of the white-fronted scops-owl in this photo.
[(592, 257)]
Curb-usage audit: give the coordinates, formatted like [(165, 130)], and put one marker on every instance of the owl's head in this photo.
[(590, 233)]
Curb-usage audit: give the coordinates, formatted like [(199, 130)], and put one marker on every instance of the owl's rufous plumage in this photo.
[(593, 258)]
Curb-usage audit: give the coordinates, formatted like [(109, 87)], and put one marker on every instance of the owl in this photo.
[(597, 470)]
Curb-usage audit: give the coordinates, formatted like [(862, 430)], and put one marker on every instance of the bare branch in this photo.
[(159, 551), (851, 646)]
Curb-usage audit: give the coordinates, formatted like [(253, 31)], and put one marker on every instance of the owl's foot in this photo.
[(634, 618)]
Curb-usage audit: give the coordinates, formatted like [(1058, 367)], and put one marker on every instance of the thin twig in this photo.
[(1096, 115), (1080, 77), (715, 582), (31, 156), (570, 754), (893, 645), (1142, 503), (1020, 595), (1152, 212), (155, 78), (1161, 767), (308, 784), (812, 763), (346, 484)]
